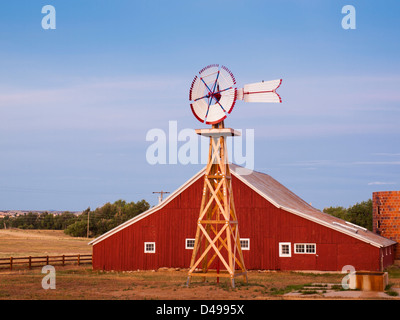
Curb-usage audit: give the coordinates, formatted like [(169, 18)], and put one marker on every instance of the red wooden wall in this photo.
[(261, 222)]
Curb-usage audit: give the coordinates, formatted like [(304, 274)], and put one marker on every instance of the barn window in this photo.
[(299, 248), (304, 248), (149, 247), (284, 249), (189, 243), (310, 248), (245, 244)]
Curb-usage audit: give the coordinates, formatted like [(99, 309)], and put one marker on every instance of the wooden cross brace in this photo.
[(217, 225)]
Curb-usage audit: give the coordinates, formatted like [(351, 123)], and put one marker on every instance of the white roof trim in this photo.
[(150, 211), (198, 175)]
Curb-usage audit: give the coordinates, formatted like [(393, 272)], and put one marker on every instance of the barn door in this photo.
[(149, 237), (326, 257), (270, 256)]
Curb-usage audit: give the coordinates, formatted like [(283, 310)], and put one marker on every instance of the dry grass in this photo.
[(18, 243), (81, 283)]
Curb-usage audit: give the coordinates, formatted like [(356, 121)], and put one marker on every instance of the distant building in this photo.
[(386, 216)]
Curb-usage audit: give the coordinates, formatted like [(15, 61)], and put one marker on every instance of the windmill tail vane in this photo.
[(260, 92), (213, 93)]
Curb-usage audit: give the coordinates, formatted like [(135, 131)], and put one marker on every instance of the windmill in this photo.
[(217, 251)]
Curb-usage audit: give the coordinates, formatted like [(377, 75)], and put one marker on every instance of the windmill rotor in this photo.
[(213, 93)]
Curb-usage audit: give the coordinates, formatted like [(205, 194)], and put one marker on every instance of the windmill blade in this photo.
[(261, 92), (207, 113)]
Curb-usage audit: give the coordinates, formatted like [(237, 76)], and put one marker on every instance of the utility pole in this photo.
[(88, 214), (160, 198)]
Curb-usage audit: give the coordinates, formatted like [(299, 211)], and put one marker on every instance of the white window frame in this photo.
[(297, 251), (186, 243), (248, 243), (281, 244), (146, 250), (305, 248), (315, 248)]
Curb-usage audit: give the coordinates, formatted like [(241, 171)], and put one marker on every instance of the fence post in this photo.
[(47, 260), (30, 262), (11, 262), (79, 259), (63, 260)]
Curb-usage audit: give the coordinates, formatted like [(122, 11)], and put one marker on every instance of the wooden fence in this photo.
[(30, 262)]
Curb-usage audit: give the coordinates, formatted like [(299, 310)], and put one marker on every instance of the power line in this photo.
[(160, 198)]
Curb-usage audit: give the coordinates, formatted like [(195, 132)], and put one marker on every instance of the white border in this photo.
[(186, 243), (150, 251), (305, 248), (248, 243), (284, 255)]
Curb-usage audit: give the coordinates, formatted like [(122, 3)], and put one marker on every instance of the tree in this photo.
[(77, 229), (338, 212), (359, 214), (107, 217), (46, 221), (62, 221)]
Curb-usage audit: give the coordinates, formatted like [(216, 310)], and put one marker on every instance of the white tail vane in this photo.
[(213, 93), (260, 92)]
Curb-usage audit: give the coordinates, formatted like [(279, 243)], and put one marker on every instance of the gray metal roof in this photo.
[(283, 198)]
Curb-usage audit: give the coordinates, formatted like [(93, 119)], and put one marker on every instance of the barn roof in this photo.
[(276, 194)]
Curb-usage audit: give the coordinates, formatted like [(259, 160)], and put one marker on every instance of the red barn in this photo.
[(278, 231)]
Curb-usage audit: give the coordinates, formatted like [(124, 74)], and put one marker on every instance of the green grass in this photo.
[(287, 289), (393, 272), (308, 292), (389, 291)]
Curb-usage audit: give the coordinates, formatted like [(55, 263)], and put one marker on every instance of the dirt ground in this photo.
[(82, 283)]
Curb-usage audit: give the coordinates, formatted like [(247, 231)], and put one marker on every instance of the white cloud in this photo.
[(380, 183), (378, 163), (336, 163), (113, 106), (386, 154)]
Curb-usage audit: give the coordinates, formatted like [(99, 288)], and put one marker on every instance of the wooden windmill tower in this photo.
[(217, 251)]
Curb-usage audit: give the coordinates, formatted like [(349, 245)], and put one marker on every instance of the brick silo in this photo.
[(386, 216)]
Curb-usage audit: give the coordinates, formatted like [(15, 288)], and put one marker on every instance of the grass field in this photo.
[(18, 242), (82, 283)]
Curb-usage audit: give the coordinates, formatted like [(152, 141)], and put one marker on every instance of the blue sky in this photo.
[(76, 102)]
